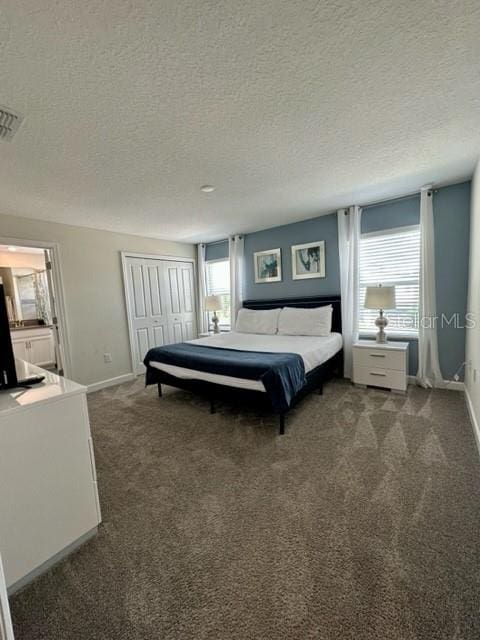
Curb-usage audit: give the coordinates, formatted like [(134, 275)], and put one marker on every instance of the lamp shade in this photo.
[(213, 303), (380, 298)]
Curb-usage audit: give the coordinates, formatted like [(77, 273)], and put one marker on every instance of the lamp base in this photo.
[(381, 322), (215, 323)]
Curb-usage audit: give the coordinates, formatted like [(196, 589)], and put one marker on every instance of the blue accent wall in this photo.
[(451, 208), (389, 215), (321, 228), (217, 250)]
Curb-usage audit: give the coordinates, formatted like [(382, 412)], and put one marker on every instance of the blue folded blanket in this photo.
[(282, 374)]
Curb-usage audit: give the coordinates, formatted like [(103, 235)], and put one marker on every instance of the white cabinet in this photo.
[(34, 345), (380, 365), (42, 352), (48, 486), (20, 348)]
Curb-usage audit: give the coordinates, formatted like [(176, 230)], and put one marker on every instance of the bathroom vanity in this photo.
[(34, 345)]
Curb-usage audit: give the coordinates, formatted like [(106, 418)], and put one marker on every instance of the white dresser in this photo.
[(381, 365), (6, 628), (48, 487)]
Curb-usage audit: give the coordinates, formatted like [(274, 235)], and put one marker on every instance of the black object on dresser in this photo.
[(8, 373)]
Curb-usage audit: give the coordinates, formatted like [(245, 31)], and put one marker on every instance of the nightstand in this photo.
[(381, 365)]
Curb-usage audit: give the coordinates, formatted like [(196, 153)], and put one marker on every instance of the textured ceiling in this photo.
[(290, 108)]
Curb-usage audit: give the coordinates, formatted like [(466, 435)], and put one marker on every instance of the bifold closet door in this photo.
[(147, 307), (181, 301), (161, 304)]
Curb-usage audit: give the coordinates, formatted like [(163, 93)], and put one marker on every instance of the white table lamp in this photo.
[(214, 303), (380, 298)]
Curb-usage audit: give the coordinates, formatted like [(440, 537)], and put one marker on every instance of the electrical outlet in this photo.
[(107, 358)]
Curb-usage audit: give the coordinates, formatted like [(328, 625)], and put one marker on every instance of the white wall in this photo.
[(472, 378), (94, 294)]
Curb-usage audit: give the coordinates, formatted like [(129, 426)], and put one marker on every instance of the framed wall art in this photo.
[(268, 265), (308, 260)]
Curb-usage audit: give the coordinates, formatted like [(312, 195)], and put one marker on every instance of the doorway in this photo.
[(34, 297)]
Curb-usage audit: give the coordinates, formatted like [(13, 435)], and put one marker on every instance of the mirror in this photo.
[(26, 291)]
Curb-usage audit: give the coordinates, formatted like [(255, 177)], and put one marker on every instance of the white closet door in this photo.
[(160, 304), (181, 301), (146, 307), (157, 303), (6, 629)]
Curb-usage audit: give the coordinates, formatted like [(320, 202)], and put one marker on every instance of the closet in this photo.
[(160, 298)]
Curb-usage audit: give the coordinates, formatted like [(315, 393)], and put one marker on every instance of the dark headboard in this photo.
[(309, 303)]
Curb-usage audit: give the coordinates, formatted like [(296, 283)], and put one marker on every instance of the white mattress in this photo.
[(313, 350)]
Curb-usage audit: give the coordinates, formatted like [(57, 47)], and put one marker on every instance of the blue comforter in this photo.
[(282, 374)]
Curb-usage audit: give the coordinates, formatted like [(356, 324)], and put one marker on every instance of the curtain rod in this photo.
[(363, 206), (406, 196), (216, 242)]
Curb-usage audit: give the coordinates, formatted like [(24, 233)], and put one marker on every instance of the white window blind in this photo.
[(218, 284), (391, 258)]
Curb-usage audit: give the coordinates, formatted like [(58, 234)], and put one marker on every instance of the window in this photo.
[(31, 294), (391, 258), (218, 284)]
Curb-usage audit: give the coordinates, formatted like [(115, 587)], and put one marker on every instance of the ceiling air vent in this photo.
[(9, 123)]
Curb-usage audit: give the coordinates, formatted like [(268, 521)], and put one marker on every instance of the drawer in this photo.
[(20, 335), (377, 377), (379, 358)]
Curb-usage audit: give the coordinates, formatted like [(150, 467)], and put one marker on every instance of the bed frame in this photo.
[(315, 378)]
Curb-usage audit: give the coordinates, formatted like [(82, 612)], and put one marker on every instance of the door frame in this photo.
[(56, 260), (128, 301)]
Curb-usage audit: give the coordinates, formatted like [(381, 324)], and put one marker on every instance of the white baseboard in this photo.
[(451, 385), (473, 419), (111, 382)]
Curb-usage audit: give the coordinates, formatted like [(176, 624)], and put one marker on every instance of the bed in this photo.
[(278, 370)]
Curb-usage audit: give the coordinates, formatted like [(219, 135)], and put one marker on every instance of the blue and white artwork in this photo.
[(308, 260), (268, 265)]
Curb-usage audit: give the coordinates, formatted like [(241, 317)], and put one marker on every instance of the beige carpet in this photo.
[(363, 521)]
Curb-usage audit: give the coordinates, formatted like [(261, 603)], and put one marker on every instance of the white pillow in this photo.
[(305, 322), (252, 321)]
